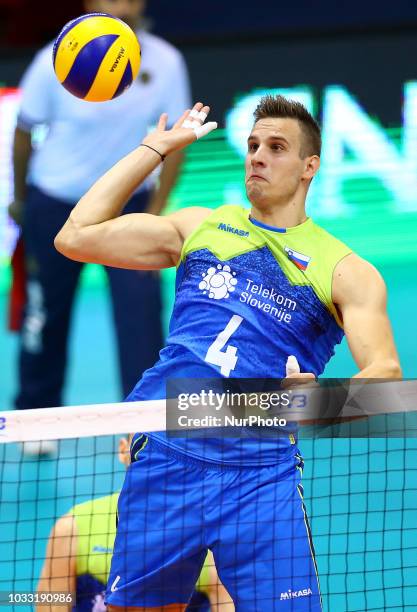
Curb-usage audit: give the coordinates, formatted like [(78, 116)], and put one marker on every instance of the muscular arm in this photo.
[(95, 232), (137, 241), (59, 572), (359, 292)]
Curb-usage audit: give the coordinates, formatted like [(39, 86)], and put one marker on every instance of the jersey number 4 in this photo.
[(227, 359)]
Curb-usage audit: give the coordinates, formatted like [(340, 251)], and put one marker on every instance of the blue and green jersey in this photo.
[(248, 295), (95, 529)]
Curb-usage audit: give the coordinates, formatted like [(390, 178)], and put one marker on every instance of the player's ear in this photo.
[(311, 166)]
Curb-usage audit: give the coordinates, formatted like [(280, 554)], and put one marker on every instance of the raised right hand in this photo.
[(189, 128)]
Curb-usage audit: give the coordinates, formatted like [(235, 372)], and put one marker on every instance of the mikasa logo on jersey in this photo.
[(233, 230), (102, 549), (292, 594)]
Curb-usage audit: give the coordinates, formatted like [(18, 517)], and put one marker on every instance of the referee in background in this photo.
[(83, 141)]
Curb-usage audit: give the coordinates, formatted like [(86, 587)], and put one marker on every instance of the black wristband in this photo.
[(152, 149)]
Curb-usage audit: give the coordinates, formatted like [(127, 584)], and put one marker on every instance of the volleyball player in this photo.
[(79, 550), (253, 287)]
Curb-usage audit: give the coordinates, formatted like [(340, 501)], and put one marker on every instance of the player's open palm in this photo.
[(190, 127)]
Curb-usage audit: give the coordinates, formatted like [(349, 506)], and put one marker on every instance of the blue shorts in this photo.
[(173, 507)]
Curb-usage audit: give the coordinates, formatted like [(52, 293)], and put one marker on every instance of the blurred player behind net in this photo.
[(79, 551)]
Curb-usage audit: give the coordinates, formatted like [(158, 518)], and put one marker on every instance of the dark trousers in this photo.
[(52, 281)]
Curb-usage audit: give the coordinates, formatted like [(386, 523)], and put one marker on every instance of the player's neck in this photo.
[(288, 215)]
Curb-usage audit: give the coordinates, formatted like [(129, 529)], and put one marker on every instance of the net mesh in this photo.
[(360, 495)]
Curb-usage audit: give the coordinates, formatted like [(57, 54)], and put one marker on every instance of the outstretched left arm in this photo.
[(360, 295)]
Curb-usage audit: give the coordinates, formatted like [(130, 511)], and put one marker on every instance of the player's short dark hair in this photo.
[(278, 106)]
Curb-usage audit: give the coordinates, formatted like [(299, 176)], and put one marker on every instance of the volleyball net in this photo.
[(60, 508)]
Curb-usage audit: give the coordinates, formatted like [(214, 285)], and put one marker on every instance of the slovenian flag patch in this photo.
[(300, 260)]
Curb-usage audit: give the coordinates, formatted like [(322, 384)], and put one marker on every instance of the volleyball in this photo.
[(96, 57)]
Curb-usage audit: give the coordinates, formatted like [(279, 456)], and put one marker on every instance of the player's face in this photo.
[(273, 167), (129, 11)]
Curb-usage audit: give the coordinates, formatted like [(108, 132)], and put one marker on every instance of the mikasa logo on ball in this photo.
[(118, 58)]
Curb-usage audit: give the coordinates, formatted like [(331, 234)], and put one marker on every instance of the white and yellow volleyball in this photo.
[(96, 57)]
